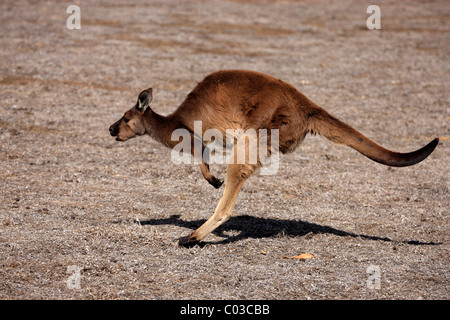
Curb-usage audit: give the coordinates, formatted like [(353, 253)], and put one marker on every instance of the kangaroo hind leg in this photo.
[(236, 176)]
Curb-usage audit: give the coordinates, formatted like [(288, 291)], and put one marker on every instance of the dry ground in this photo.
[(72, 196)]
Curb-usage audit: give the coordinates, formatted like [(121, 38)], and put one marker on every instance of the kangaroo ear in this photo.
[(144, 99)]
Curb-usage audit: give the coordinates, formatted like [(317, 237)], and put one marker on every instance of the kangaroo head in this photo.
[(132, 122)]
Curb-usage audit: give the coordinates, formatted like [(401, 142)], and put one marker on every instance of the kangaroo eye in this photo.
[(126, 120)]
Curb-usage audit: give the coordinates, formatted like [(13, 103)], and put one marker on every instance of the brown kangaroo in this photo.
[(237, 99)]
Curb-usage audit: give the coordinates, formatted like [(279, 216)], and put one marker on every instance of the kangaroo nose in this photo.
[(111, 131)]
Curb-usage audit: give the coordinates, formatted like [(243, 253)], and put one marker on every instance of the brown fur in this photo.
[(236, 99)]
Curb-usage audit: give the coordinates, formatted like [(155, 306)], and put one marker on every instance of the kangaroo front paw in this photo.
[(215, 182), (188, 242)]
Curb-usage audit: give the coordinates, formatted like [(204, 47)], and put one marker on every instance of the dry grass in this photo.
[(72, 196)]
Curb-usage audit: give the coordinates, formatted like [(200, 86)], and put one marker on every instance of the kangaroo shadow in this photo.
[(255, 227)]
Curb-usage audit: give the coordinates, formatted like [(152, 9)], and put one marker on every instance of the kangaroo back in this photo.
[(333, 129)]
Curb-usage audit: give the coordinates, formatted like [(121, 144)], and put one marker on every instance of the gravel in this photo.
[(85, 217)]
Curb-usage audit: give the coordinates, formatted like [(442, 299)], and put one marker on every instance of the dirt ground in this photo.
[(85, 217)]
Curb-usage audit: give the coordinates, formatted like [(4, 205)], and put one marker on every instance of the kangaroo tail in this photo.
[(321, 122)]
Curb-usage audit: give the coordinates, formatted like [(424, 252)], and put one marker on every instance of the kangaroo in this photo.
[(239, 99)]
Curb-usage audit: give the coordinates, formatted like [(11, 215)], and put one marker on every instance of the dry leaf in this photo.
[(303, 256), (300, 257)]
